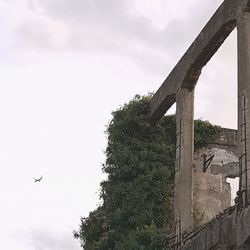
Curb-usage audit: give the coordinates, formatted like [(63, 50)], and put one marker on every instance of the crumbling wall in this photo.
[(229, 231), (217, 225), (227, 140), (211, 191)]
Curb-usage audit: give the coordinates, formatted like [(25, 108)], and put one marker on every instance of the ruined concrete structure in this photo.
[(211, 191), (179, 87), (228, 231)]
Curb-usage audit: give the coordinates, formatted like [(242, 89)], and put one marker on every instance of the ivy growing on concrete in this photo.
[(205, 132), (137, 196)]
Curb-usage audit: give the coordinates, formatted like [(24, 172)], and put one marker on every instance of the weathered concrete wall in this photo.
[(211, 191), (229, 231), (227, 140), (232, 231), (215, 228), (183, 79)]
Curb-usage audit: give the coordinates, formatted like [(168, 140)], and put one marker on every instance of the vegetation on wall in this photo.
[(136, 210)]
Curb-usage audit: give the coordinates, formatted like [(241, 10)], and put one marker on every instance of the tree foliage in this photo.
[(136, 211)]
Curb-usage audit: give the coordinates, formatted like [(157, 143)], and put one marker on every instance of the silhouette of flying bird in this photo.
[(38, 180)]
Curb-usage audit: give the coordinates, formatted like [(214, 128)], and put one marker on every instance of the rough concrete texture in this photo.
[(211, 191), (184, 158), (243, 31), (229, 231), (227, 140)]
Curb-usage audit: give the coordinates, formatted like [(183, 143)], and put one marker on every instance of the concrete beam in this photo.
[(188, 69)]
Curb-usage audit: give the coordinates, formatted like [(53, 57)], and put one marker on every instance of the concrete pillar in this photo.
[(243, 28), (184, 159)]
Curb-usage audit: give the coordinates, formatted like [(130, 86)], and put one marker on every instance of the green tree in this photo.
[(136, 211)]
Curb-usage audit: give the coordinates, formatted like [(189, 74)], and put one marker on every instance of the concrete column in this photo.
[(184, 158), (243, 28)]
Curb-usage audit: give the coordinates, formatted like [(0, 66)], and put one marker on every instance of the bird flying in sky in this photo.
[(38, 180)]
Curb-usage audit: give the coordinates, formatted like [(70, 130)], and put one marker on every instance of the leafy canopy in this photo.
[(136, 211)]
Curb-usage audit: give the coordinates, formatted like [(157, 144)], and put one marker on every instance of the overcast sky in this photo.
[(64, 66)]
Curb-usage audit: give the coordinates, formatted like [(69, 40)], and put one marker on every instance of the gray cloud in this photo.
[(111, 27), (33, 32)]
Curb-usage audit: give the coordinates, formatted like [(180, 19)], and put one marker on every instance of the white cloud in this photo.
[(64, 66)]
